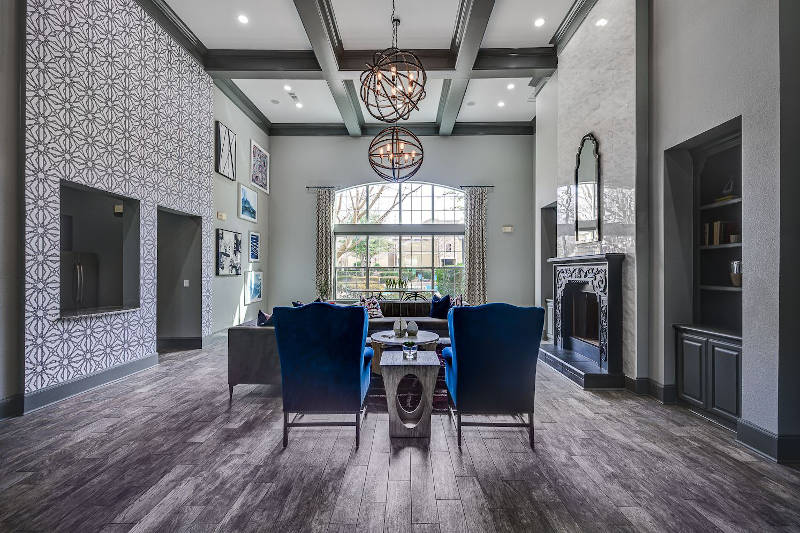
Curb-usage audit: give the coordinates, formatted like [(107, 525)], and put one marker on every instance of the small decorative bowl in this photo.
[(409, 350)]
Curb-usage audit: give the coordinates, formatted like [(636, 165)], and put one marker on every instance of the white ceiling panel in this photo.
[(483, 95), (272, 24), (428, 107), (366, 25), (318, 104), (512, 23)]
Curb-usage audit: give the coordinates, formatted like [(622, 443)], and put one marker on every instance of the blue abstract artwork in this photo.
[(255, 246), (253, 286), (248, 204)]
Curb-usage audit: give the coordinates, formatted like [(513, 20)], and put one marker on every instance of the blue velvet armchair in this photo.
[(325, 367), (490, 365)]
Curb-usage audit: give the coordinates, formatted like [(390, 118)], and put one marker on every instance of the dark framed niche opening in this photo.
[(99, 251)]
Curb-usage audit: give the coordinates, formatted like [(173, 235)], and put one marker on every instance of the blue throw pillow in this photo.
[(265, 320), (297, 304), (440, 306)]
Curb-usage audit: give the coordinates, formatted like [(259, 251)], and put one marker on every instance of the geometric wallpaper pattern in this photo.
[(113, 102)]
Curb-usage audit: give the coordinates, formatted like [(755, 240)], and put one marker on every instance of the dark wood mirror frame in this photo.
[(589, 137)]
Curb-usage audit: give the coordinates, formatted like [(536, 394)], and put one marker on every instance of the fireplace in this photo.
[(587, 312)]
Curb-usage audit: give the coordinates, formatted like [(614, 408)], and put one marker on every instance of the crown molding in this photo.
[(572, 21)]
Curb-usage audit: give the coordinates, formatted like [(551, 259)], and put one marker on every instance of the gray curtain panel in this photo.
[(475, 245), (325, 242)]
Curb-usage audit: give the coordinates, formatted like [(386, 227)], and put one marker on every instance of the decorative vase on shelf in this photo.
[(412, 329), (736, 273)]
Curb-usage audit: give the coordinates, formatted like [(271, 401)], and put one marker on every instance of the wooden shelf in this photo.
[(720, 246), (723, 203), (720, 288)]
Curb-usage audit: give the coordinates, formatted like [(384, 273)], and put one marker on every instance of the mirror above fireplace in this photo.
[(587, 190)]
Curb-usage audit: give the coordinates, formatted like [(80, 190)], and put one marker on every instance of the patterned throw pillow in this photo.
[(458, 301), (373, 307)]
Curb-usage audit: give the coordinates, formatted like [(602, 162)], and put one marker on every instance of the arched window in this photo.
[(398, 240)]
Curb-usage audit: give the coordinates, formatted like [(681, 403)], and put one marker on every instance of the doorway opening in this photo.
[(179, 296), (548, 249)]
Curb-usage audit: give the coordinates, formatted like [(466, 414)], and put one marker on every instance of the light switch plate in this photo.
[(186, 283), (221, 216)]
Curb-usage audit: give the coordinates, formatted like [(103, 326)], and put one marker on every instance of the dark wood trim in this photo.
[(422, 129), (469, 43), (62, 391), (516, 59), (637, 385), (704, 330), (235, 94), (320, 26), (779, 448), (432, 59), (12, 406), (178, 343), (572, 21), (262, 64), (172, 24)]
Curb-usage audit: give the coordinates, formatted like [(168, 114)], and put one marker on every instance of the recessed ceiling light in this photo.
[(299, 105), (471, 103), (287, 88), (601, 22), (243, 19), (510, 86), (538, 22), (275, 101), (501, 104)]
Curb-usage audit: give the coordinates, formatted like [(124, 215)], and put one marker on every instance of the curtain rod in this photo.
[(322, 187), (476, 186)]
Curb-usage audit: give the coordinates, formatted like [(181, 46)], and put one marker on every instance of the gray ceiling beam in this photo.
[(432, 59), (268, 64), (422, 129), (241, 101), (470, 27), (320, 26), (571, 22)]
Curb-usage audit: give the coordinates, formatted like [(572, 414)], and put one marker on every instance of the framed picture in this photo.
[(225, 152), (253, 285), (229, 252), (259, 167), (255, 246), (248, 203)]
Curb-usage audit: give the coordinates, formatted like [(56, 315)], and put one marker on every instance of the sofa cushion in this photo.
[(440, 306), (409, 308)]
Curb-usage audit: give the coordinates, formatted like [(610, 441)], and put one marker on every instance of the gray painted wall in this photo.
[(504, 161), (179, 253), (712, 61), (229, 308), (546, 172), (10, 190)]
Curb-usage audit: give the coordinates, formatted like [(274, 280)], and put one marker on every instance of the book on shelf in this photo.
[(726, 197), (706, 234), (719, 231)]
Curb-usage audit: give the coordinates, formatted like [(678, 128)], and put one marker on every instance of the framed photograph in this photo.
[(259, 167), (253, 285), (225, 152), (255, 246), (248, 203), (229, 252)]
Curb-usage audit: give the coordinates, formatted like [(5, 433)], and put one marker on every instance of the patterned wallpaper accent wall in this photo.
[(113, 103)]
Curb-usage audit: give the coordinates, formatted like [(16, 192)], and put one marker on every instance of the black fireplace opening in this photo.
[(586, 317), (580, 321)]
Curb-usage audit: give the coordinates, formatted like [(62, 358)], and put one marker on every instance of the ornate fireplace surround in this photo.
[(600, 274)]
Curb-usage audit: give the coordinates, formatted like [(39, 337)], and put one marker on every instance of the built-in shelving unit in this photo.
[(718, 232)]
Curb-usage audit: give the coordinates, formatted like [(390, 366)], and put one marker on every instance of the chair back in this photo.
[(496, 347), (320, 346)]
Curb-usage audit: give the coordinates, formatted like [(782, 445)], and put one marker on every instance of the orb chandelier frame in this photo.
[(395, 154), (394, 83)]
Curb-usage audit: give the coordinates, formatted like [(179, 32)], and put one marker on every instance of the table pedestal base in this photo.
[(417, 423)]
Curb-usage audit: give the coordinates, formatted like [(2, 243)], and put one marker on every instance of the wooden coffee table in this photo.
[(425, 340), (416, 423)]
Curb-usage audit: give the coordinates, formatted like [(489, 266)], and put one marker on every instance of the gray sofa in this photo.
[(253, 350)]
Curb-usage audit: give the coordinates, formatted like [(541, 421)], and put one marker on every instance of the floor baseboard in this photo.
[(62, 391), (12, 406), (662, 393), (779, 448)]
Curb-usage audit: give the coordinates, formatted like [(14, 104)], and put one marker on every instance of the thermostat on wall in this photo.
[(221, 216), (508, 228)]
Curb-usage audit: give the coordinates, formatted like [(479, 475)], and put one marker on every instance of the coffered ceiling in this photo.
[(473, 51)]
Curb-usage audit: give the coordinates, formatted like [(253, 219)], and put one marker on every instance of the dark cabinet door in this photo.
[(724, 362), (692, 369)]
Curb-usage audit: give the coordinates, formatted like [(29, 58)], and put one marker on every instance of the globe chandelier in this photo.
[(395, 154), (394, 83)]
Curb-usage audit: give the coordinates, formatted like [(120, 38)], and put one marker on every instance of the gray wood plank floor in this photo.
[(163, 450)]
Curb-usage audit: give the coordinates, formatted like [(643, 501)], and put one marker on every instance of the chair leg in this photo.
[(285, 429), (458, 428), (230, 393), (358, 428), (530, 429)]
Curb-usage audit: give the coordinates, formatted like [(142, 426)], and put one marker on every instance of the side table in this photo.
[(425, 367)]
